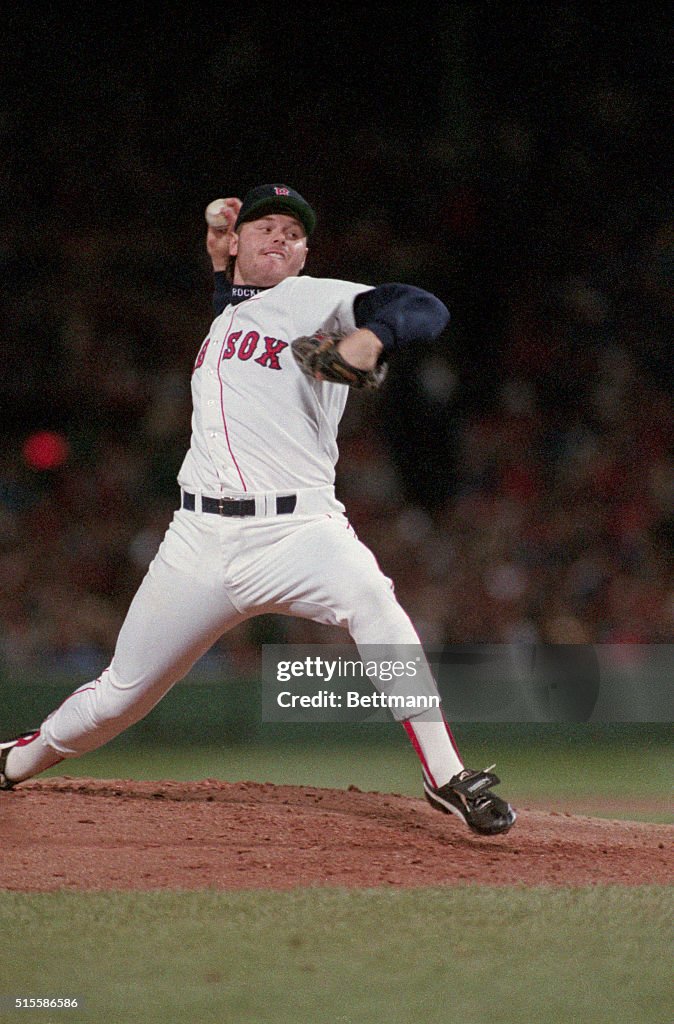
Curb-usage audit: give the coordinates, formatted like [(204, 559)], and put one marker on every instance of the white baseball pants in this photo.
[(210, 574)]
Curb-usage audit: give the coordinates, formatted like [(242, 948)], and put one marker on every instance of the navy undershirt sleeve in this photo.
[(400, 315), (222, 291)]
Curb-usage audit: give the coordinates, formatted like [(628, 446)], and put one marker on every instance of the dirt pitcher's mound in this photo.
[(92, 834)]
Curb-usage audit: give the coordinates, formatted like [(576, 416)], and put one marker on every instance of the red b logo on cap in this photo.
[(282, 191)]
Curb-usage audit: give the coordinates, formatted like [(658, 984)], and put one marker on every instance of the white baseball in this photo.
[(216, 214)]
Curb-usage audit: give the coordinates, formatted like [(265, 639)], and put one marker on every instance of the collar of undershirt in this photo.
[(241, 292)]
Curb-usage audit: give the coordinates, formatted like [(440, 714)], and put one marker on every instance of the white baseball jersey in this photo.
[(259, 424)]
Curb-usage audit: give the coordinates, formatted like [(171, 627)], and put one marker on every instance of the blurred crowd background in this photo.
[(516, 478)]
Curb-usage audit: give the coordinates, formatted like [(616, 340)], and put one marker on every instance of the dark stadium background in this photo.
[(516, 478)]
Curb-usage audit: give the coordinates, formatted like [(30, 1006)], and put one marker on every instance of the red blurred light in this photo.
[(45, 450)]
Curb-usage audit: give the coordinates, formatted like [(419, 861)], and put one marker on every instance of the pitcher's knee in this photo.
[(115, 698), (95, 713), (376, 616)]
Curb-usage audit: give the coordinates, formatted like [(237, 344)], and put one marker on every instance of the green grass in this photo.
[(536, 769), (470, 956)]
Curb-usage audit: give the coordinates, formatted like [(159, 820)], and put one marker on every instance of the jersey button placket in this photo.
[(210, 407), (221, 434)]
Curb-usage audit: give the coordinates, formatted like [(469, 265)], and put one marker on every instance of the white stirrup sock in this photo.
[(435, 747)]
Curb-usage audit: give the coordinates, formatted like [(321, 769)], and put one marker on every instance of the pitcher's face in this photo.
[(268, 250)]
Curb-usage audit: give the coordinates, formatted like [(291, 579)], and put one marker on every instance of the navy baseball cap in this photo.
[(276, 199)]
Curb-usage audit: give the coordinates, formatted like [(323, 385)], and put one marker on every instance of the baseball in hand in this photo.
[(219, 214)]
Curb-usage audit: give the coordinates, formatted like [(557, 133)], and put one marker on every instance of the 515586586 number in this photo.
[(41, 1003)]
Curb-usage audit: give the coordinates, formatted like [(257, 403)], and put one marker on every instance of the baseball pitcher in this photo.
[(259, 528)]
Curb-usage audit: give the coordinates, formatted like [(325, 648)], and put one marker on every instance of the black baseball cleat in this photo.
[(468, 796), (5, 748)]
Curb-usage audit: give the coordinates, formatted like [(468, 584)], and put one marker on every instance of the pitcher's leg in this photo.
[(173, 619), (323, 572), (390, 635), (380, 626)]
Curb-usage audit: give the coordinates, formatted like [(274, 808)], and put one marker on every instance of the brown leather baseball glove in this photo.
[(319, 359)]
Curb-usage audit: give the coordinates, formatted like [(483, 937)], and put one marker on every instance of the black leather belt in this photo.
[(237, 506)]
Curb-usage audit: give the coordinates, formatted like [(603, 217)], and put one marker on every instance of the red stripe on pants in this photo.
[(409, 729)]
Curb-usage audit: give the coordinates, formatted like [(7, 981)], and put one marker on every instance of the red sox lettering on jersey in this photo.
[(259, 423), (246, 348)]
